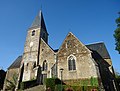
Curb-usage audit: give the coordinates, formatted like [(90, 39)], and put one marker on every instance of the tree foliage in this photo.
[(117, 35), (117, 74)]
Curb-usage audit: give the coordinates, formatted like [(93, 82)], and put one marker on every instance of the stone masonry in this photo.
[(78, 61)]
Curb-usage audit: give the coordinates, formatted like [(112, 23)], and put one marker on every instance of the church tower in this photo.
[(32, 46)]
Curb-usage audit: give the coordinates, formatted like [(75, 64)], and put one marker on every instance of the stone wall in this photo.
[(9, 76), (46, 53), (34, 39), (30, 56), (85, 65), (37, 88)]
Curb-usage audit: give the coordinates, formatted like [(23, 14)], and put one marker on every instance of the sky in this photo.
[(90, 21)]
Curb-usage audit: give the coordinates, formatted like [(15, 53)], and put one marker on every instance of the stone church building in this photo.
[(78, 61)]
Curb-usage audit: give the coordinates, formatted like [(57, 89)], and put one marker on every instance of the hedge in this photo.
[(75, 88), (83, 82), (51, 82), (55, 85), (27, 84)]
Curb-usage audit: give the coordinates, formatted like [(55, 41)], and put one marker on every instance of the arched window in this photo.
[(33, 32), (26, 66), (45, 66), (34, 65), (71, 63)]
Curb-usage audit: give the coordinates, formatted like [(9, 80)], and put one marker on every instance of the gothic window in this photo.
[(26, 66), (33, 32), (34, 64), (45, 66), (71, 63)]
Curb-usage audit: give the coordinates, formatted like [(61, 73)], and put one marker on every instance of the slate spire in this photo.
[(39, 21)]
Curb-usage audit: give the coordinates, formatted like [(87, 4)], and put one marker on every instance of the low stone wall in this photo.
[(37, 88)]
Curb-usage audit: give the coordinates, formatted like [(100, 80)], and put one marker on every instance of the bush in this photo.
[(94, 81), (27, 84), (82, 85), (52, 82), (58, 87), (22, 85), (83, 82), (78, 88)]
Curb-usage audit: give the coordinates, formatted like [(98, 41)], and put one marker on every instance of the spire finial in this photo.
[(40, 13), (41, 7)]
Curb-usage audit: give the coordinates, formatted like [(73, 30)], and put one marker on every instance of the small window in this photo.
[(68, 42), (33, 32), (26, 67), (27, 64), (34, 64), (45, 66), (71, 63)]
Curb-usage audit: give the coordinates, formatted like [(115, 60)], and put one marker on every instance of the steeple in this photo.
[(39, 25), (39, 21), (36, 32)]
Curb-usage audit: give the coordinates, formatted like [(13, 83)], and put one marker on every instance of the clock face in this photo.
[(31, 44)]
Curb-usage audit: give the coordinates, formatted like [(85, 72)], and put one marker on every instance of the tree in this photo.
[(117, 34), (117, 76), (2, 77), (11, 84)]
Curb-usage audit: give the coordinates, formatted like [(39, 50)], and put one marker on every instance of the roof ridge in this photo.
[(38, 22), (95, 43)]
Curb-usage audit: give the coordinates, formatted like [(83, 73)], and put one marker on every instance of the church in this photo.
[(73, 61)]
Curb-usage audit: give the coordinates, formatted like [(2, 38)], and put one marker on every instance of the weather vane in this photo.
[(41, 5)]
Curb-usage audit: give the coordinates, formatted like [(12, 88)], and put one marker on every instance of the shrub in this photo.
[(58, 87), (78, 88), (94, 81), (22, 85), (27, 84), (50, 82), (81, 85)]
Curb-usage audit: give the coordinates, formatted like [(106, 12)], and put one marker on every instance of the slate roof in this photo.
[(97, 48), (39, 21), (100, 49), (16, 63)]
